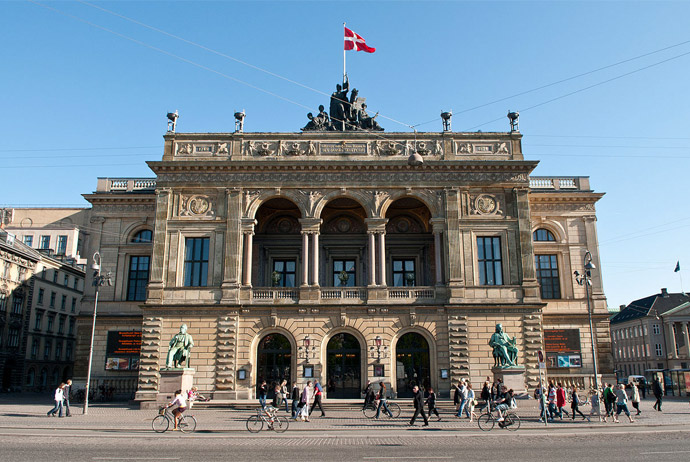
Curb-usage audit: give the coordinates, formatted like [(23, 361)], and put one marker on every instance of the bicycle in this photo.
[(486, 421), (162, 421), (278, 424), (369, 410)]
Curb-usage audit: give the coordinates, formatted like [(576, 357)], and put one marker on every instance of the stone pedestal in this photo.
[(172, 380), (512, 377)]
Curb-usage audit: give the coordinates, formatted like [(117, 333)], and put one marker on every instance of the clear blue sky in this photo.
[(70, 90)]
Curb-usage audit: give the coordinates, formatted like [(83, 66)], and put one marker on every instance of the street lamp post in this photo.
[(586, 280), (98, 281)]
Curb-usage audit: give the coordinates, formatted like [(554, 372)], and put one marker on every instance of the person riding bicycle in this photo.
[(503, 403), (272, 408), (181, 404)]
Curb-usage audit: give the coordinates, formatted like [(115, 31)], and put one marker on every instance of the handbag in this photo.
[(301, 404)]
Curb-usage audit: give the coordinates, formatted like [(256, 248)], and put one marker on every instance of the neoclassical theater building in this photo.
[(327, 255)]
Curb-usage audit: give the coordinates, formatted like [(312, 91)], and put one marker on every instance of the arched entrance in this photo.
[(412, 364), (274, 359), (343, 366)]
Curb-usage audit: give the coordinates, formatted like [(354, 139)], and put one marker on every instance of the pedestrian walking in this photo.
[(431, 403), (261, 392), (284, 394), (635, 397), (318, 392), (58, 397), (575, 404), (418, 401), (622, 403), (595, 409), (277, 402), (560, 401), (658, 393), (552, 401), (609, 401), (382, 401), (456, 396), (295, 399), (471, 401), (369, 395), (463, 400), (304, 400), (65, 393), (486, 394)]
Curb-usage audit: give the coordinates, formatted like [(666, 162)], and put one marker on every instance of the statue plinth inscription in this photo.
[(343, 148)]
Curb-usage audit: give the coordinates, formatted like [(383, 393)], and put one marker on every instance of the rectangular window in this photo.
[(63, 303), (138, 277), (71, 326), (657, 349), (44, 243), (41, 294), (39, 320), (68, 351), (196, 262), (61, 325), (34, 348), (655, 329), (21, 274), (55, 276), (76, 283), (29, 240), (66, 280), (13, 338), (58, 350), (644, 329), (52, 299), (47, 349), (74, 304), (51, 321), (283, 273), (3, 302), (61, 245), (547, 274), (404, 274), (489, 259), (6, 270), (17, 304), (344, 273)]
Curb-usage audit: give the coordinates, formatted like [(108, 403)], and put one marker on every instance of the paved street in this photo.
[(118, 432)]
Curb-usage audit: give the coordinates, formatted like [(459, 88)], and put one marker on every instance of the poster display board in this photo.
[(562, 347), (122, 350)]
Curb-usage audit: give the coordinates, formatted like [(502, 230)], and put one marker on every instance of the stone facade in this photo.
[(326, 255)]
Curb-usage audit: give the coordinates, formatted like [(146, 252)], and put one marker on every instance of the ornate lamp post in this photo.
[(376, 351), (307, 348), (586, 280), (98, 281)]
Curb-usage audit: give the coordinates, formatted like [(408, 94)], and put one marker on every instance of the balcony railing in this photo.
[(411, 293), (541, 182), (275, 293), (344, 293), (126, 184)]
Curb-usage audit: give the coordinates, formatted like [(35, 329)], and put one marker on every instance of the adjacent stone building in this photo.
[(327, 255)]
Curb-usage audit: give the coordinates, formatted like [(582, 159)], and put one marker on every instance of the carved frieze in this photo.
[(196, 205), (562, 207), (484, 148), (202, 149)]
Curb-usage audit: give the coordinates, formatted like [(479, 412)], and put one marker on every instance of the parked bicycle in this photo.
[(486, 421), (370, 410), (278, 424), (162, 421)]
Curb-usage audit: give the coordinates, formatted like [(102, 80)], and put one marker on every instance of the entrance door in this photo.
[(343, 367), (274, 358), (412, 364)]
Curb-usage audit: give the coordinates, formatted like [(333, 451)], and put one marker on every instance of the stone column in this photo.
[(455, 252), (315, 259), (158, 260), (233, 243), (438, 225), (382, 258), (684, 330), (671, 341), (305, 259), (527, 270), (248, 233), (372, 259)]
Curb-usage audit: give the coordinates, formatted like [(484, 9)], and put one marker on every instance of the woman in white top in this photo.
[(304, 402), (59, 396), (181, 404), (470, 401)]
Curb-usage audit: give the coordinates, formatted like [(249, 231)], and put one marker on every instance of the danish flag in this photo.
[(354, 41)]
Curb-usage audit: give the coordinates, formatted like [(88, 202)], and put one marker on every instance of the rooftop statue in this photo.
[(505, 351), (345, 114), (180, 348)]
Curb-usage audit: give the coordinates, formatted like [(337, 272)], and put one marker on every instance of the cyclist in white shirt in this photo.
[(181, 404)]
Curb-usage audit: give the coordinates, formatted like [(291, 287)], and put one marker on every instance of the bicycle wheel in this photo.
[(160, 424), (395, 410), (512, 422), (369, 411), (187, 424), (280, 424), (486, 422), (255, 424)]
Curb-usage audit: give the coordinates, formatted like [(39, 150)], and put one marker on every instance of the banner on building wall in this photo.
[(122, 350), (562, 347)]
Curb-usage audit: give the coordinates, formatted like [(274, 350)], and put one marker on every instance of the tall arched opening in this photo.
[(412, 363), (273, 361), (344, 366)]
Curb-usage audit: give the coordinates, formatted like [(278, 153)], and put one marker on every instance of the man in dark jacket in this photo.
[(418, 406), (369, 395), (295, 399), (658, 393)]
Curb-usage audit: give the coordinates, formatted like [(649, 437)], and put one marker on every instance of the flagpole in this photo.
[(344, 73)]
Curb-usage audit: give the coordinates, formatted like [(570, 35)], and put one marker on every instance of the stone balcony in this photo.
[(547, 183), (348, 295)]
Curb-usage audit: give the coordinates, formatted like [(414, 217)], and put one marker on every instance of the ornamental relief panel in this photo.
[(196, 205), (483, 148), (487, 205), (203, 149), (386, 148)]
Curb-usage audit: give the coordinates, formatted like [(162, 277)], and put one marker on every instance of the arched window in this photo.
[(145, 236), (31, 377), (543, 235)]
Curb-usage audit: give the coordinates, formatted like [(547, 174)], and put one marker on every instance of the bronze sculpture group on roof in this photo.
[(344, 114)]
